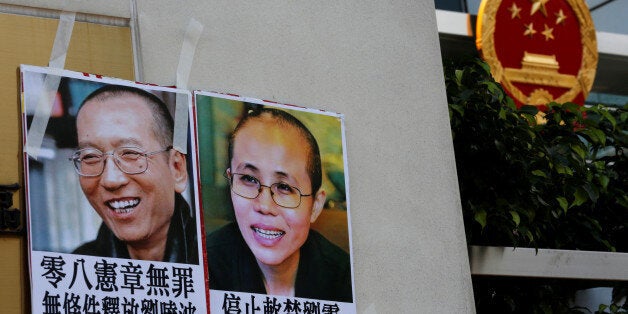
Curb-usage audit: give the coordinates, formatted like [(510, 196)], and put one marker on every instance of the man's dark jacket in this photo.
[(181, 245)]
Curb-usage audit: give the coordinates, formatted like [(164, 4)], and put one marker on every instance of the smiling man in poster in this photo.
[(112, 207), (133, 178)]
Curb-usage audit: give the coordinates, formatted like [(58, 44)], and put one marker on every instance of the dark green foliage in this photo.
[(561, 184), (526, 295), (538, 296)]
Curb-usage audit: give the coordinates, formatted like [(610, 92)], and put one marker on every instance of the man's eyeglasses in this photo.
[(90, 162), (250, 187)]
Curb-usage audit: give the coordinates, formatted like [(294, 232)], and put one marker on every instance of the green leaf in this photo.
[(564, 170), (515, 217), (604, 181), (529, 118), (563, 203), (541, 200), (458, 74), (480, 217), (623, 201), (539, 173), (581, 196), (596, 135), (484, 66), (494, 89), (458, 108), (502, 113), (600, 135), (599, 165), (510, 103), (569, 106), (531, 110), (609, 117), (592, 192), (577, 148), (595, 223), (530, 236), (530, 213), (614, 308), (557, 117)]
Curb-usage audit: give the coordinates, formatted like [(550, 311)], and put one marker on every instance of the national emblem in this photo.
[(539, 50)]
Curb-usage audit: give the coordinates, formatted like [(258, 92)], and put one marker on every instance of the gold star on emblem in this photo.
[(548, 33), (538, 5), (514, 9), (560, 17), (529, 30)]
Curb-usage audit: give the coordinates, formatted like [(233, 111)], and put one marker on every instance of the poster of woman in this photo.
[(275, 204)]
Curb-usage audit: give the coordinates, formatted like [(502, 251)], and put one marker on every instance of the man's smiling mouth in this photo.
[(268, 234), (123, 206)]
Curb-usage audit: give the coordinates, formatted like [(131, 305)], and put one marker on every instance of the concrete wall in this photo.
[(379, 64)]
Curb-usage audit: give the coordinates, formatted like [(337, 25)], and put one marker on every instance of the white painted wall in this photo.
[(378, 62)]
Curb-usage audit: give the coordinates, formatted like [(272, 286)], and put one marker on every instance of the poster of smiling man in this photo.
[(112, 196), (276, 207)]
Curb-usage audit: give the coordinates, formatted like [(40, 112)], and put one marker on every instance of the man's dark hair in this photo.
[(314, 168), (164, 124)]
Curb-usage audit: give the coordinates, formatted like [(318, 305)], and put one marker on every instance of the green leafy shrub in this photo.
[(560, 184)]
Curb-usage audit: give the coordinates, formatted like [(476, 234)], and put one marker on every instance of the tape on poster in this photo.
[(47, 95), (192, 35)]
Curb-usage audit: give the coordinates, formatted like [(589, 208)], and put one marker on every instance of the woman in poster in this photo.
[(275, 176)]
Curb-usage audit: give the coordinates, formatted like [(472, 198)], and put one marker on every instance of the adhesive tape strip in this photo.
[(35, 134), (62, 40), (186, 58)]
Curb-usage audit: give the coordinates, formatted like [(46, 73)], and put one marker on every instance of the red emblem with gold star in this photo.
[(539, 50)]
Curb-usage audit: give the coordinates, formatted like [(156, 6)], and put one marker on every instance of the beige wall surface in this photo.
[(28, 40), (379, 64)]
